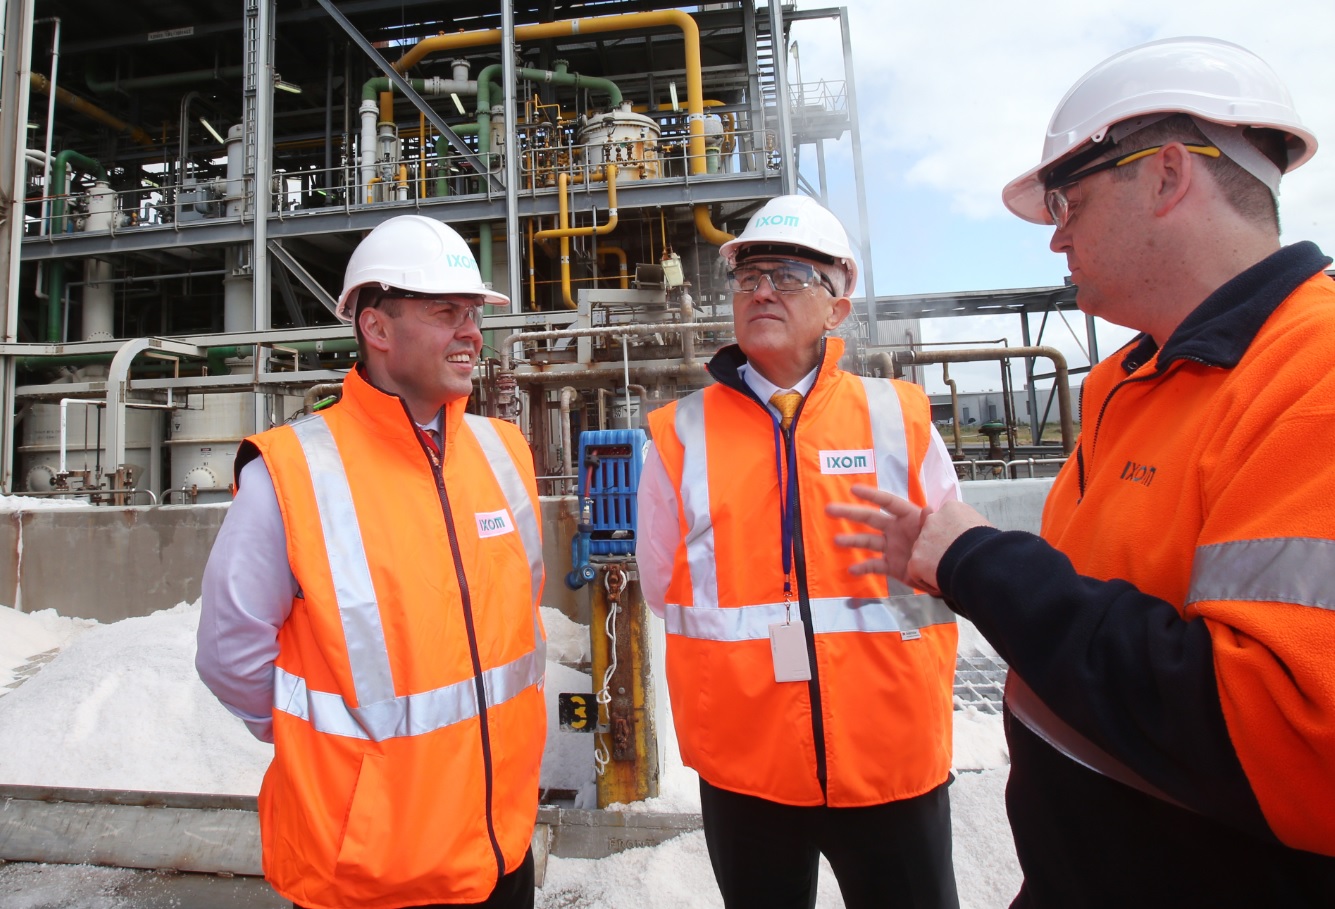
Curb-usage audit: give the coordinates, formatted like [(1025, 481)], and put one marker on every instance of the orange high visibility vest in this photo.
[(1225, 517), (408, 709), (884, 665)]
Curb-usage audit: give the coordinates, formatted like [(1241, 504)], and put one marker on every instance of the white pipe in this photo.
[(625, 359), (370, 112), (568, 395), (50, 125)]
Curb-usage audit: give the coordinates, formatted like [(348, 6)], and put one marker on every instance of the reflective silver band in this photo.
[(358, 608), (1298, 570), (830, 615), (689, 423), (413, 714), (516, 495), (889, 440)]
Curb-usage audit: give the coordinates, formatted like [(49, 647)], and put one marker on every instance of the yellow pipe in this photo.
[(622, 262), (421, 159), (403, 176), (532, 275), (370, 192), (386, 107), (695, 106), (41, 84), (565, 231)]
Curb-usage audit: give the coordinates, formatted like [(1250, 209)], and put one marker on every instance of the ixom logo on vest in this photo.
[(493, 524), (836, 462)]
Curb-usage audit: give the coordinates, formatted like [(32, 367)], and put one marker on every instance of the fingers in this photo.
[(888, 502), (874, 541)]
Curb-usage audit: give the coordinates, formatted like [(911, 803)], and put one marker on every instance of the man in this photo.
[(1171, 704), (370, 606), (815, 706)]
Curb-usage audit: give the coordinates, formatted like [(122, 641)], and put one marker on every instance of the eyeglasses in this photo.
[(785, 277), (1059, 206), (442, 312)]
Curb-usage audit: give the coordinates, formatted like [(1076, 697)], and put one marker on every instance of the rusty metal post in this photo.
[(626, 743)]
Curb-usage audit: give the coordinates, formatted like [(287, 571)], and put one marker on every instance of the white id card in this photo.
[(788, 644)]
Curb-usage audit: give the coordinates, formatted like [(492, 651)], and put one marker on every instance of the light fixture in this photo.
[(212, 132), (282, 86), (457, 103)]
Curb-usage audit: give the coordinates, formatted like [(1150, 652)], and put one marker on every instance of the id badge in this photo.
[(788, 645)]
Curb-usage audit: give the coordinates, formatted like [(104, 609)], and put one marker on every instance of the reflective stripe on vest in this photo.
[(382, 715), (413, 714), (516, 496), (1298, 570), (890, 455), (829, 615), (689, 423)]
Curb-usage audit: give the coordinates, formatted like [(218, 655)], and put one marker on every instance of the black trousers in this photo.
[(513, 891), (892, 856)]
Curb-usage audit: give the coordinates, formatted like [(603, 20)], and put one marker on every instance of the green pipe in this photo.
[(63, 161), (492, 74), (443, 152)]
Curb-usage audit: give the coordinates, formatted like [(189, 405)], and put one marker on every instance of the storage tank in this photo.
[(85, 433), (621, 137)]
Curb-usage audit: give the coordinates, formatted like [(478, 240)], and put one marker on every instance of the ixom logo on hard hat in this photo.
[(778, 221), (453, 260)]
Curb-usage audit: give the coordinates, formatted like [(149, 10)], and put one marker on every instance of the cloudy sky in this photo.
[(954, 99)]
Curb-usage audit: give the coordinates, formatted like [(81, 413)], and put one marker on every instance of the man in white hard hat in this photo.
[(1171, 703), (370, 606), (815, 706)]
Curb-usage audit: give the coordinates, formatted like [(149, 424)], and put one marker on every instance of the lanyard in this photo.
[(784, 448)]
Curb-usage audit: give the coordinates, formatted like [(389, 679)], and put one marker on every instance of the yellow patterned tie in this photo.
[(786, 403)]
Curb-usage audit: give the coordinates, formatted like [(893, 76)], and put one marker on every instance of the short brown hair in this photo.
[(1247, 195)]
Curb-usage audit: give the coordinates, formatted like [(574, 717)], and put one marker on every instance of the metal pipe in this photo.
[(565, 232), (954, 409), (1002, 353), (568, 395), (166, 80), (687, 337), (42, 84), (50, 124), (608, 331), (694, 79)]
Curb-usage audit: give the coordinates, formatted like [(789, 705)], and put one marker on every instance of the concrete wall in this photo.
[(112, 563)]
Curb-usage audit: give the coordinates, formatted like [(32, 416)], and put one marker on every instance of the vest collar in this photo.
[(388, 414)]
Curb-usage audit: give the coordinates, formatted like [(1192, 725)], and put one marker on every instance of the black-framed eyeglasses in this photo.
[(1059, 206), (784, 277)]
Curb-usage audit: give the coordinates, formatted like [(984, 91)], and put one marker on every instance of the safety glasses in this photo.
[(1055, 198), (784, 276)]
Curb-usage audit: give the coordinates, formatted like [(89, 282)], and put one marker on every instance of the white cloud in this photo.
[(965, 89)]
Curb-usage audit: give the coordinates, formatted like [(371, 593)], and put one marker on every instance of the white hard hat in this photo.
[(794, 225), (414, 253), (1207, 78)]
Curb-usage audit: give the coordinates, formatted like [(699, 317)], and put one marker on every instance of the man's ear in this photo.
[(838, 313), (374, 327), (1175, 171)]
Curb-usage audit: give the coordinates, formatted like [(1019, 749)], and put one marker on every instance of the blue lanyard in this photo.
[(787, 494)]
